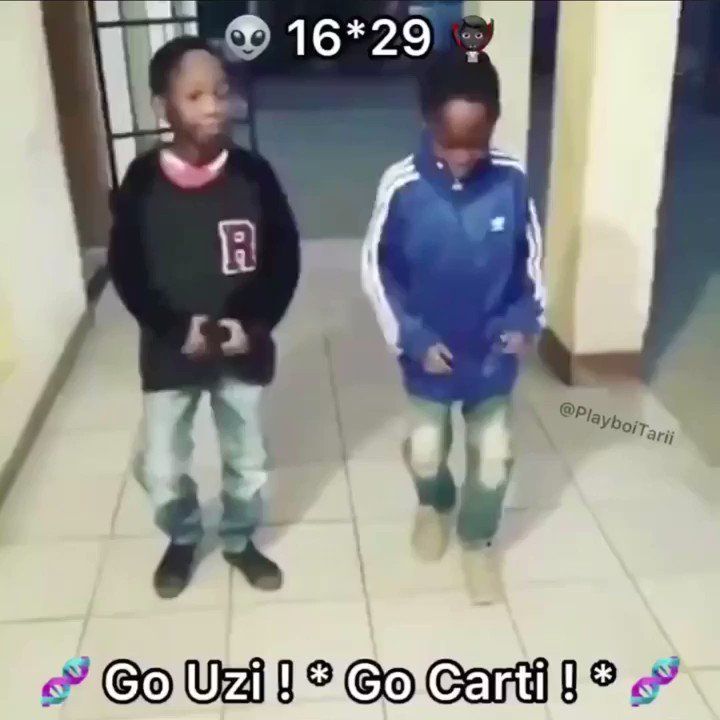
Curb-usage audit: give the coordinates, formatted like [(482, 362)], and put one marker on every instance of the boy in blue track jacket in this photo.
[(451, 264)]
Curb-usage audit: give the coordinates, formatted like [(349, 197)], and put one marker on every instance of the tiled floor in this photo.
[(608, 550)]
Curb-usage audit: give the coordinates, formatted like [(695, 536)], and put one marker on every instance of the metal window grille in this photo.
[(124, 39)]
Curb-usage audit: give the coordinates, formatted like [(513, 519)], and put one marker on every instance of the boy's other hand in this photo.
[(516, 343), (195, 344), (438, 360), (237, 342)]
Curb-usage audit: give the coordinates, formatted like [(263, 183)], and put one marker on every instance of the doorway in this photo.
[(682, 344), (81, 127)]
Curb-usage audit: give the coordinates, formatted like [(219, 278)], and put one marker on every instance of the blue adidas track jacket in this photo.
[(458, 263)]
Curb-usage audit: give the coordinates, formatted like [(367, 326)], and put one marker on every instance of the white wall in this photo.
[(613, 85), (624, 172), (40, 270)]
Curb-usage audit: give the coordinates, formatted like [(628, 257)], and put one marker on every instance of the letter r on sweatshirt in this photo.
[(239, 246)]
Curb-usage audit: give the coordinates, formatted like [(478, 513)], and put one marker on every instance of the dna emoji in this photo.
[(646, 689), (56, 690)]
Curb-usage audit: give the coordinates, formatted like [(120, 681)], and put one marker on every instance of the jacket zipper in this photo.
[(492, 359)]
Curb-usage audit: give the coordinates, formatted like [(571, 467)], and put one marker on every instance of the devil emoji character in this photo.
[(473, 35)]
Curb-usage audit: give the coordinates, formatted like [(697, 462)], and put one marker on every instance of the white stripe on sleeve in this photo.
[(535, 259), (533, 234), (394, 178)]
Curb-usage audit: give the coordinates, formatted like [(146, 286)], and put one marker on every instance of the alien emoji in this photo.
[(247, 36)]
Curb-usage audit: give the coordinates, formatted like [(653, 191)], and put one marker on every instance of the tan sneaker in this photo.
[(431, 533), (482, 576)]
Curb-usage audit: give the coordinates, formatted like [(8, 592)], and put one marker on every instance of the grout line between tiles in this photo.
[(41, 620), (351, 500), (521, 642), (630, 576), (228, 631), (104, 553), (118, 501)]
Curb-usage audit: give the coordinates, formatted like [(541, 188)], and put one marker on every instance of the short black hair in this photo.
[(450, 76), (169, 56), (474, 21)]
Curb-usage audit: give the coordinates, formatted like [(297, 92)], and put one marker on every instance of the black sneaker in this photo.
[(259, 571), (174, 571)]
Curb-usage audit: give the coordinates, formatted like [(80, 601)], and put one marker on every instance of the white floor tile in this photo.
[(679, 701), (529, 436), (37, 652), (382, 490), (47, 580), (413, 633), (619, 472), (686, 605), (534, 546), (95, 454), (319, 562), (539, 480), (162, 715), (423, 706), (374, 422), (393, 571), (586, 623), (337, 632), (54, 505), (604, 481), (301, 427), (126, 581), (355, 361), (134, 516), (663, 538), (87, 378), (329, 710), (307, 493), (164, 641), (709, 683), (117, 406)]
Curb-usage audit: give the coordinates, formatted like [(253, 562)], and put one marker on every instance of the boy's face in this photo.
[(461, 133), (197, 101)]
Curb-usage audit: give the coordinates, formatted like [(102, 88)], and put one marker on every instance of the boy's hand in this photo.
[(237, 342), (517, 343), (195, 344), (438, 360)]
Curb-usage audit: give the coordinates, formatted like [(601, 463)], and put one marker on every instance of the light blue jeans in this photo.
[(489, 462), (162, 463)]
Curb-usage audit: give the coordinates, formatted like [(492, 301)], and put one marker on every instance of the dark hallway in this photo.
[(682, 350)]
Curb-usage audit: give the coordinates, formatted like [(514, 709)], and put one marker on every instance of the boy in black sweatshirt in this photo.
[(204, 253)]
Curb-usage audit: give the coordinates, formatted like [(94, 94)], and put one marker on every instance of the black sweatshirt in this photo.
[(229, 249)]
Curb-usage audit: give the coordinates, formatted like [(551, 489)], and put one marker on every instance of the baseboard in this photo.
[(53, 385), (589, 368)]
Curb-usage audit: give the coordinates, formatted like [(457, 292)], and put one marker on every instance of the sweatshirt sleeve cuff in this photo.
[(416, 342), (524, 317)]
